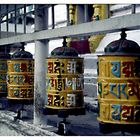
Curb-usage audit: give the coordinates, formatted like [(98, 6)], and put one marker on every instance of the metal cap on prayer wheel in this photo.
[(64, 51), (22, 54), (123, 46)]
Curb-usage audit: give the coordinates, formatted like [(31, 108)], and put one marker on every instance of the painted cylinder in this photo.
[(4, 56), (65, 81), (119, 82), (118, 88), (20, 79), (20, 76), (3, 74)]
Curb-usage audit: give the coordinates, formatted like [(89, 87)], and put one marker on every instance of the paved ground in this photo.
[(84, 125), (6, 130), (11, 127)]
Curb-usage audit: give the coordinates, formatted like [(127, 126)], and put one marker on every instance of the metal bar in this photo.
[(53, 20), (24, 19), (68, 15), (80, 13), (108, 10), (0, 20), (7, 25), (130, 22), (15, 19), (86, 13), (133, 8)]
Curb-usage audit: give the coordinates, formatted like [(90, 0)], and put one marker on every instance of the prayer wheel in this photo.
[(118, 85), (4, 56), (20, 76), (65, 82)]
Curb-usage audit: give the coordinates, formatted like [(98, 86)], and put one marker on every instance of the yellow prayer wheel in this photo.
[(3, 73), (4, 56), (118, 83), (20, 76), (65, 81)]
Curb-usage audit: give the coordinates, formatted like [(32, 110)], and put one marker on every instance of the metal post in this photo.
[(86, 13), (133, 8), (108, 11), (80, 14), (41, 49), (15, 19), (53, 22), (0, 20), (68, 15), (24, 18), (7, 20)]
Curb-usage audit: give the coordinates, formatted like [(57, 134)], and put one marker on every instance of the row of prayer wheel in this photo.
[(118, 81), (64, 79)]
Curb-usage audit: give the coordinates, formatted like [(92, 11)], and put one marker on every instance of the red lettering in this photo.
[(128, 69), (50, 67), (127, 113)]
